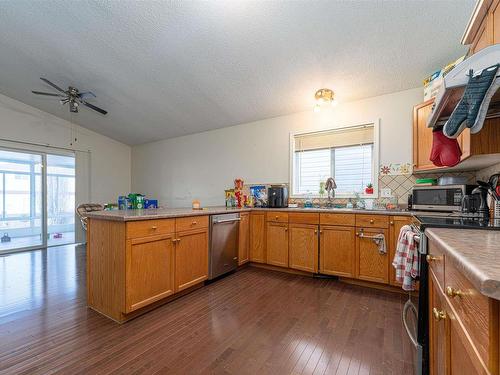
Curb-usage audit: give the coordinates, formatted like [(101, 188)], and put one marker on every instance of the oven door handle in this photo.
[(407, 307)]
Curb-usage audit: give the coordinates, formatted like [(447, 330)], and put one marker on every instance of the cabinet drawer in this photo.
[(338, 219), (472, 308), (192, 222), (303, 218), (372, 221), (435, 259), (277, 217), (144, 228)]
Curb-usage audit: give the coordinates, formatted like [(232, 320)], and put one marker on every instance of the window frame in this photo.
[(375, 159)]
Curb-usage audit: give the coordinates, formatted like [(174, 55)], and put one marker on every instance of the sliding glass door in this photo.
[(60, 199), (37, 199)]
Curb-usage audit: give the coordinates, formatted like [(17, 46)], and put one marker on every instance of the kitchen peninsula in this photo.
[(139, 259)]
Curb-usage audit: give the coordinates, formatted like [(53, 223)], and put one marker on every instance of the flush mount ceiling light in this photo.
[(324, 96)]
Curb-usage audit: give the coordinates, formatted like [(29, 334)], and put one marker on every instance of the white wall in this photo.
[(202, 165), (110, 161)]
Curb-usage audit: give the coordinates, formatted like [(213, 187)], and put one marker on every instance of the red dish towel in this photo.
[(406, 259), (445, 151)]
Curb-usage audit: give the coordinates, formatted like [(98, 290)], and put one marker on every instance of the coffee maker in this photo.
[(277, 196)]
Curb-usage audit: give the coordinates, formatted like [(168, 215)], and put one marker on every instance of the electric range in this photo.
[(456, 221)]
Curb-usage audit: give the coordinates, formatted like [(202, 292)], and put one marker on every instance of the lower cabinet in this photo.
[(337, 250), (191, 258), (371, 264), (438, 331), (257, 237), (396, 223), (451, 351), (277, 244), (244, 239), (303, 247), (149, 270)]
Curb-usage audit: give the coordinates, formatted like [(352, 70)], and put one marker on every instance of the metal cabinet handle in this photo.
[(154, 227), (438, 314), (431, 258), (315, 231), (451, 292), (277, 217), (194, 223), (392, 222), (174, 240)]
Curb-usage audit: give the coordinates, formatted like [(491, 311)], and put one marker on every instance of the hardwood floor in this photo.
[(252, 322)]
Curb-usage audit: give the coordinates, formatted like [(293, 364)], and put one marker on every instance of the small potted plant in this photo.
[(369, 188)]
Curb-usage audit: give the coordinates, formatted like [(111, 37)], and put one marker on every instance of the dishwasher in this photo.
[(224, 235)]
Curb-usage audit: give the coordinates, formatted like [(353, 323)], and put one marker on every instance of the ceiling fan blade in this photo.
[(86, 95), (46, 93), (52, 84), (91, 106)]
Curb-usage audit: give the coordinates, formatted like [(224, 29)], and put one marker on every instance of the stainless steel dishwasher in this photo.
[(224, 234)]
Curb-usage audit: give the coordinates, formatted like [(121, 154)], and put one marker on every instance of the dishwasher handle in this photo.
[(409, 306), (227, 221)]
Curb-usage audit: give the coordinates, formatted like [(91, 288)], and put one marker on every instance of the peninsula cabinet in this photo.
[(337, 250), (303, 247), (277, 244), (257, 237), (244, 239), (156, 255), (132, 265), (191, 258)]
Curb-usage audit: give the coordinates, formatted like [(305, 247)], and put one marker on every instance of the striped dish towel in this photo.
[(406, 259)]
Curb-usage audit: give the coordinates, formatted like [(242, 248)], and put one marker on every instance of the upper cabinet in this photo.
[(483, 29), (478, 150)]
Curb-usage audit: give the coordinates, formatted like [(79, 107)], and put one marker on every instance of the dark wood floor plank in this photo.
[(254, 321)]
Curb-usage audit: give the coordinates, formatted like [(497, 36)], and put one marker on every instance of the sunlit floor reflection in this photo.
[(28, 278)]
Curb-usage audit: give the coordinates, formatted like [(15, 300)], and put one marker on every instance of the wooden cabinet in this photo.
[(438, 331), (395, 225), (277, 244), (133, 265), (483, 29), (337, 250), (191, 258), (257, 237), (463, 323), (303, 247), (149, 270), (422, 136), (371, 264), (244, 239)]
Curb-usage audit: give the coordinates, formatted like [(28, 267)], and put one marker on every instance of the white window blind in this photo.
[(346, 155)]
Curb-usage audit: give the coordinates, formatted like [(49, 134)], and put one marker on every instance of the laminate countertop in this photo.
[(475, 253), (166, 213)]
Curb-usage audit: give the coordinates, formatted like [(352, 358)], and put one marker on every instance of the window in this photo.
[(346, 154)]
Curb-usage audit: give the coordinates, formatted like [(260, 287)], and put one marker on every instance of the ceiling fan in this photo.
[(72, 96)]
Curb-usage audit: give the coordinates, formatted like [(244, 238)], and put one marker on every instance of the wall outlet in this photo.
[(385, 193)]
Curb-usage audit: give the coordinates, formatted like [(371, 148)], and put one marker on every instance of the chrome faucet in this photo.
[(330, 187)]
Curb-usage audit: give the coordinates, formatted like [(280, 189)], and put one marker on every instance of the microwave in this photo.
[(440, 197)]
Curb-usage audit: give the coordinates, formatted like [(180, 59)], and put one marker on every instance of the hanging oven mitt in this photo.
[(471, 109), (445, 152)]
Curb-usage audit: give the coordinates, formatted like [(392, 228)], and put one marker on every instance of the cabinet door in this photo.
[(303, 247), (337, 250), (438, 331), (149, 270), (277, 244), (191, 258), (257, 237), (371, 265), (422, 136), (244, 239), (395, 225)]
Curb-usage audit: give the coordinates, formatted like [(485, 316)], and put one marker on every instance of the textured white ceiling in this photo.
[(169, 68)]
